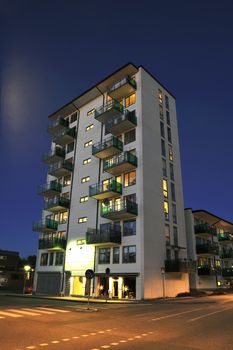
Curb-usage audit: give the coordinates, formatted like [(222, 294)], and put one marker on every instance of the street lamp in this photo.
[(27, 269)]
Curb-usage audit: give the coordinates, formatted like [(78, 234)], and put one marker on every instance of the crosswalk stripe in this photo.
[(40, 311), (51, 309), (4, 313), (20, 311)]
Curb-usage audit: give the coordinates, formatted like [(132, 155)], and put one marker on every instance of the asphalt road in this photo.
[(187, 324)]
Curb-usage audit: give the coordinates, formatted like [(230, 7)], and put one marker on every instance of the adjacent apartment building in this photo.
[(113, 198)]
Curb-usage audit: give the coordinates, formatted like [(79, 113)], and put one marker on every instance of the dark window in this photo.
[(176, 253), (130, 136), (129, 228), (175, 235), (164, 167), (167, 233), (129, 254), (161, 111), (51, 256), (73, 118), (171, 171), (70, 147), (166, 102), (106, 132), (59, 258), (169, 135), (173, 193), (168, 254), (104, 255), (131, 197), (44, 259), (163, 148), (162, 129), (168, 118), (174, 217), (116, 255)]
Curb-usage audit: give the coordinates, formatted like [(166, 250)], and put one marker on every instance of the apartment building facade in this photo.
[(113, 196), (210, 244)]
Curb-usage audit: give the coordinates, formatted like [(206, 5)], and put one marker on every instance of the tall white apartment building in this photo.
[(113, 196)]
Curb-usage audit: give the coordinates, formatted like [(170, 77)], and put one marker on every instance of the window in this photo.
[(160, 96), (167, 233), (165, 191), (116, 255), (3, 257), (73, 118), (118, 178), (164, 167), (170, 152), (176, 254), (129, 254), (130, 136), (88, 143), (59, 258), (84, 199), (82, 220), (168, 254), (86, 161), (173, 193), (70, 147), (104, 255), (44, 259), (171, 171), (163, 148), (85, 179), (166, 102), (161, 111), (106, 132), (174, 217), (162, 129), (169, 135), (129, 228), (166, 210), (129, 179), (168, 118), (89, 127), (51, 257), (130, 100), (63, 217), (67, 180), (175, 235), (91, 112)]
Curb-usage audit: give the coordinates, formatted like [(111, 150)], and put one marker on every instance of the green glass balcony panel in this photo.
[(107, 148), (179, 265), (47, 225), (205, 229), (106, 189), (225, 237), (61, 168), (50, 189), (206, 270), (122, 88), (120, 209), (207, 249), (122, 123), (54, 156), (64, 137), (58, 125), (227, 272), (52, 244), (57, 204), (227, 254), (109, 110), (108, 234), (121, 163)]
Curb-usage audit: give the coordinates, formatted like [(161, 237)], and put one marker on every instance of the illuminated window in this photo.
[(169, 135), (173, 193), (160, 96), (164, 167), (166, 102), (130, 179), (89, 127), (165, 191), (81, 241), (91, 112), (166, 210), (63, 218), (85, 179), (82, 220), (167, 233), (88, 143), (170, 152), (118, 178), (67, 180), (162, 129), (130, 100), (86, 161), (84, 199)]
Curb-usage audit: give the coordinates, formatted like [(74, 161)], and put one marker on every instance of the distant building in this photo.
[(11, 279)]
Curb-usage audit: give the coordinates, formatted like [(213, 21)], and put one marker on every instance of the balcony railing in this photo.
[(47, 225), (207, 249), (119, 164), (225, 237), (59, 124), (205, 229), (104, 190), (123, 209), (227, 272), (55, 243), (63, 137), (109, 110), (227, 254), (122, 123), (107, 234), (54, 156), (122, 88), (61, 168), (179, 265), (50, 189), (206, 270), (107, 148), (57, 204)]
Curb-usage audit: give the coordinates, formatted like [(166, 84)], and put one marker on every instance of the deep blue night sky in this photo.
[(53, 50)]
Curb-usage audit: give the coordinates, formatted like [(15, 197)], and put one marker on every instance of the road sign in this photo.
[(89, 274)]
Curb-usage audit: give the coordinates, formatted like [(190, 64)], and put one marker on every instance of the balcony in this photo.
[(60, 169), (50, 189), (225, 237), (107, 148), (54, 156), (227, 272), (109, 110), (205, 230), (207, 249), (45, 226), (108, 234), (227, 254), (57, 204), (106, 189), (178, 265), (206, 270), (120, 164), (122, 88), (122, 123), (58, 125), (119, 210), (54, 244), (63, 137)]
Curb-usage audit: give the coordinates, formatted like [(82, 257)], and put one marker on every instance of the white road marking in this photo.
[(51, 309), (114, 344), (4, 313), (55, 341), (84, 335), (27, 313), (209, 314), (44, 344), (176, 314), (137, 336), (75, 337), (101, 332), (144, 334), (65, 339), (41, 311), (105, 346), (123, 341), (92, 333), (130, 339), (31, 347)]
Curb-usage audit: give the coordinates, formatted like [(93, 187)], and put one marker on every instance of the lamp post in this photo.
[(27, 269), (163, 279)]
